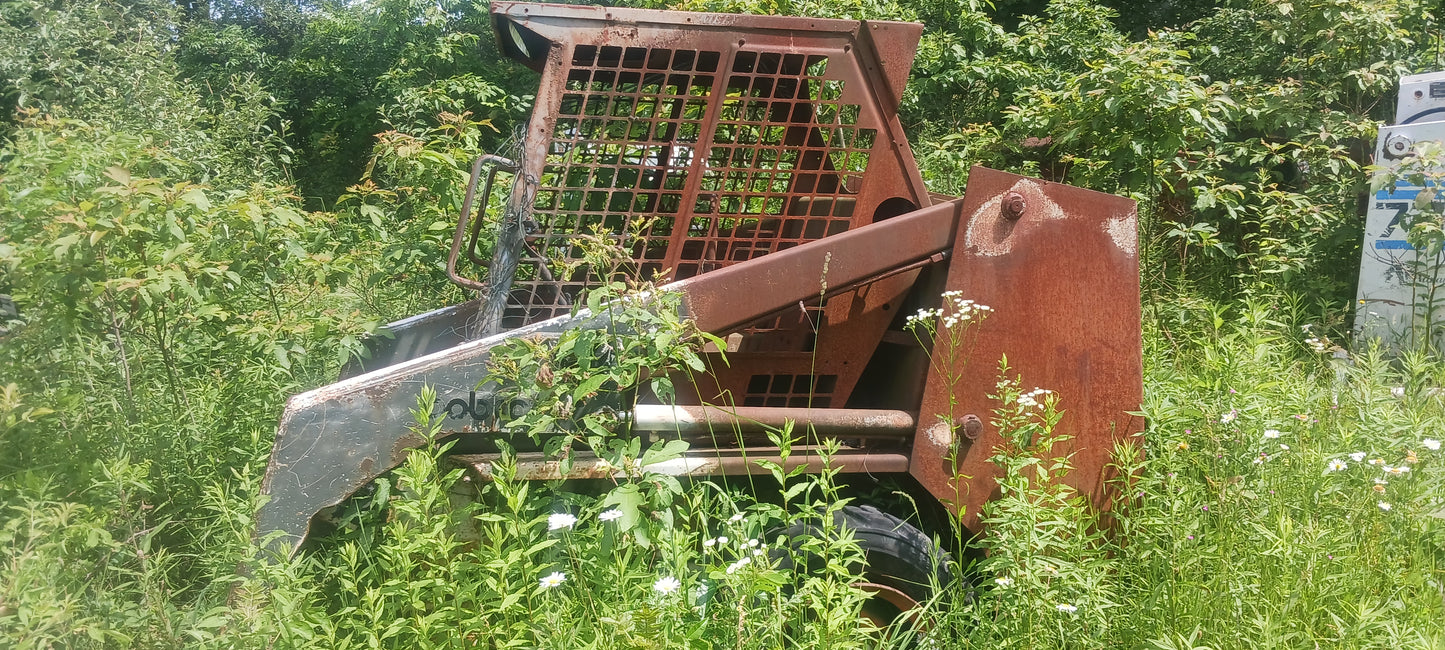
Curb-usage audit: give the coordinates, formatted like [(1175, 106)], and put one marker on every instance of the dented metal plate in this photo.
[(1059, 266)]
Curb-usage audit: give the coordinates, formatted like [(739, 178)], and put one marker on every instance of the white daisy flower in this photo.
[(560, 520), (610, 515), (548, 582), (667, 586)]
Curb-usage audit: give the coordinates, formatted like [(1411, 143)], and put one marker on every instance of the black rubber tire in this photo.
[(896, 554)]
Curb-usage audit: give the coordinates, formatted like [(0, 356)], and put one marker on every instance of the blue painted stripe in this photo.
[(1393, 245), (1400, 193), (1403, 191)]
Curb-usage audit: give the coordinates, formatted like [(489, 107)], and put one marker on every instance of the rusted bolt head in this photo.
[(972, 426), (1014, 206)]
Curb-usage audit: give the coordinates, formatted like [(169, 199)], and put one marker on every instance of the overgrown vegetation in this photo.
[(204, 208)]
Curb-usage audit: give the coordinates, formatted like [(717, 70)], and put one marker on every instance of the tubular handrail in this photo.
[(497, 163)]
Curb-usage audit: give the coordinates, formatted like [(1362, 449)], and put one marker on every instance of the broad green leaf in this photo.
[(196, 197), (663, 451)]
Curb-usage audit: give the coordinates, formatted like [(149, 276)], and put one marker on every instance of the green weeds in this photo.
[(1281, 499)]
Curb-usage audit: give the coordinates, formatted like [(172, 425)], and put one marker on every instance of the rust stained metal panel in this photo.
[(732, 297), (538, 467), (897, 41), (1064, 285), (826, 422), (805, 355)]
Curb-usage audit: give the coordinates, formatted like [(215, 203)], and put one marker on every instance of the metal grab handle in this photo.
[(497, 163)]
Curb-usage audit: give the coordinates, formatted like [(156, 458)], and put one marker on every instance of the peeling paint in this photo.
[(990, 234), (940, 434), (1124, 232)]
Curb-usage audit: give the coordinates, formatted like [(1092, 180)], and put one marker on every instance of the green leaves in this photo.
[(1171, 115)]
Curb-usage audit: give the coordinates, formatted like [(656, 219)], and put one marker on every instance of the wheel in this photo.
[(902, 565)]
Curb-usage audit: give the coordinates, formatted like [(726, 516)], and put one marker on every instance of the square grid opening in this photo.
[(779, 166)]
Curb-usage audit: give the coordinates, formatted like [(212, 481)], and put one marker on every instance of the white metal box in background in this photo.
[(1398, 286)]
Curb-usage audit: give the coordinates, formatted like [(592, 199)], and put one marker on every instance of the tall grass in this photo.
[(1288, 497), (1251, 519)]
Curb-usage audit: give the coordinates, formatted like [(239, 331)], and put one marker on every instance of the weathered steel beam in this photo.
[(829, 422), (707, 462)]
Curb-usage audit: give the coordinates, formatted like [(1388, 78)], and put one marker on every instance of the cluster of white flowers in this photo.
[(560, 520), (955, 311), (1318, 345), (1031, 398), (964, 311), (737, 566), (923, 316), (743, 545)]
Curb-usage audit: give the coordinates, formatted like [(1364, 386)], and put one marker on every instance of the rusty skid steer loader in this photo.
[(762, 151)]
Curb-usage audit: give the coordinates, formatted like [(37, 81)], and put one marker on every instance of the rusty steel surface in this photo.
[(1059, 266), (744, 419), (732, 462), (727, 299)]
